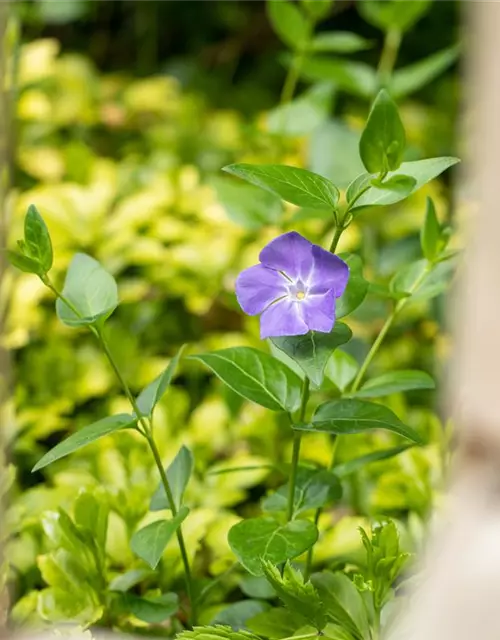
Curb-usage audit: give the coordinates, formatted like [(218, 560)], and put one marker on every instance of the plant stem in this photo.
[(383, 332), (292, 77), (297, 437), (336, 237), (389, 55), (146, 431)]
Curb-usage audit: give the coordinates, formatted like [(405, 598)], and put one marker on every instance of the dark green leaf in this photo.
[(247, 205), (276, 623), (298, 186), (257, 539), (312, 350), (430, 234), (298, 595), (357, 287), (358, 186), (178, 474), (149, 543), (37, 239), (151, 395), (342, 602), (395, 382), (383, 140), (423, 171), (314, 488), (23, 263), (90, 289), (415, 76), (152, 609), (256, 376), (341, 369), (356, 416), (85, 436), (397, 15), (351, 466), (289, 23), (340, 42), (355, 78)]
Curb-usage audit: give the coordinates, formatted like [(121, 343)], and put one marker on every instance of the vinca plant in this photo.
[(306, 295)]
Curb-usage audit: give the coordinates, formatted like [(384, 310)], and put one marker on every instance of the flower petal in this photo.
[(329, 272), (318, 311), (283, 318), (257, 287), (290, 253)]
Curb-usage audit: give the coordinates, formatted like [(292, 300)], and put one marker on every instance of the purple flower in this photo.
[(294, 287)]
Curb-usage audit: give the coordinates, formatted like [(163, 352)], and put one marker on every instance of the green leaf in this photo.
[(37, 239), (383, 140), (317, 9), (340, 42), (247, 205), (257, 539), (341, 369), (256, 376), (356, 78), (150, 542), (298, 118), (357, 287), (24, 263), (129, 579), (312, 350), (430, 234), (352, 466), (298, 186), (257, 587), (395, 382), (423, 171), (237, 614), (152, 609), (276, 623), (415, 76), (357, 416), (216, 632), (298, 595), (420, 281), (314, 488), (91, 514), (342, 602), (396, 15), (90, 289), (289, 23), (85, 436), (178, 474), (152, 394)]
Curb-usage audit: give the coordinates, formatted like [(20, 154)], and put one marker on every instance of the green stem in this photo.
[(336, 237), (389, 55), (383, 332), (297, 437), (146, 431), (292, 77)]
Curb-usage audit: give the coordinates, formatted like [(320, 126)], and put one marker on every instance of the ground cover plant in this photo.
[(227, 428)]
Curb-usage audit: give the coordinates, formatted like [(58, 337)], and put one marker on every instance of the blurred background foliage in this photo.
[(125, 114)]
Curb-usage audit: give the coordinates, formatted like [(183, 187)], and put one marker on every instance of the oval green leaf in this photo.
[(85, 436), (288, 22), (312, 350), (340, 42), (357, 287), (356, 416), (178, 474), (298, 186), (256, 376), (150, 542), (152, 609), (37, 243), (258, 539), (90, 289), (351, 466), (395, 382), (341, 369)]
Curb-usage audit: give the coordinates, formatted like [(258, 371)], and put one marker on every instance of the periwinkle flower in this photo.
[(293, 288)]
